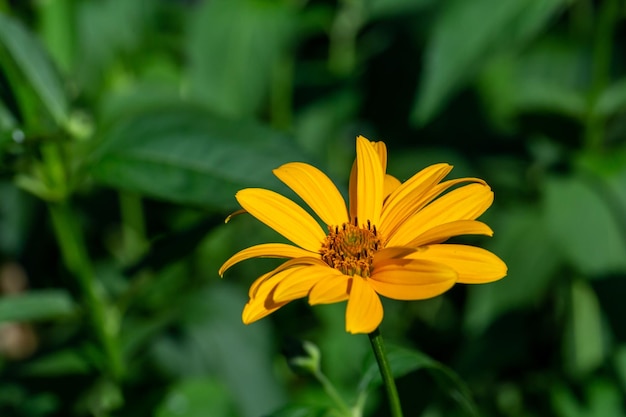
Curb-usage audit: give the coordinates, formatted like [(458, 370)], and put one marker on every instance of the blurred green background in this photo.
[(126, 127)]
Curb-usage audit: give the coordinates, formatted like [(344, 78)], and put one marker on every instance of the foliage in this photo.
[(126, 127)]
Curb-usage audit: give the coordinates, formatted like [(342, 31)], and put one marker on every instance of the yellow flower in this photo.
[(389, 242)]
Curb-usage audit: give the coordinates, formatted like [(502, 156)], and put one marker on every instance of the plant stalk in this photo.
[(385, 371)]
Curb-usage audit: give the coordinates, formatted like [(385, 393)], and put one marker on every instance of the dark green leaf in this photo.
[(532, 261), (466, 36), (384, 8), (300, 411), (214, 341), (36, 305), (187, 156), (404, 361), (64, 362), (25, 52)]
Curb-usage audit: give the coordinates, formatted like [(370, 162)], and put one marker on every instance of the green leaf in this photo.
[(583, 226), (233, 47), (377, 9), (214, 341), (612, 100), (188, 156), (20, 48), (64, 362), (520, 240), (404, 361), (583, 344), (463, 40), (36, 305), (300, 411), (198, 397)]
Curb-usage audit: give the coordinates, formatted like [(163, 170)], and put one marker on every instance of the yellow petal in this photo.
[(407, 198), (284, 216), (464, 203), (411, 280), (392, 253), (381, 150), (261, 303), (266, 250), (391, 184), (330, 290), (352, 191), (316, 189), (288, 265), (369, 183), (445, 231), (473, 265), (298, 285), (365, 311)]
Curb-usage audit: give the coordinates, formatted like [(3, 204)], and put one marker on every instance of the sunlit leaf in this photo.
[(185, 155), (36, 305), (20, 48)]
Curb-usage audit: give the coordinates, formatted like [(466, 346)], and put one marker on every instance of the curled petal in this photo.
[(316, 189), (465, 203), (284, 216), (364, 311), (473, 265), (410, 280), (266, 250)]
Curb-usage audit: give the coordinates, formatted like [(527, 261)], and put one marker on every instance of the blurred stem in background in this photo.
[(68, 233), (601, 68), (281, 93), (343, 34)]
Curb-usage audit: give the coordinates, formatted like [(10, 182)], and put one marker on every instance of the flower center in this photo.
[(351, 249)]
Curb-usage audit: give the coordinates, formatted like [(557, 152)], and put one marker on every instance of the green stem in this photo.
[(104, 318), (602, 52), (332, 393), (385, 371), (133, 225)]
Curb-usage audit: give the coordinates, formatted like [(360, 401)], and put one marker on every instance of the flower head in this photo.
[(389, 241)]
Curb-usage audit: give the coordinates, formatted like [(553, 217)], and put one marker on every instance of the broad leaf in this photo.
[(185, 155), (36, 305)]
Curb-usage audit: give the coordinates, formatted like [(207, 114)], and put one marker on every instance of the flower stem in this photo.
[(385, 371)]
